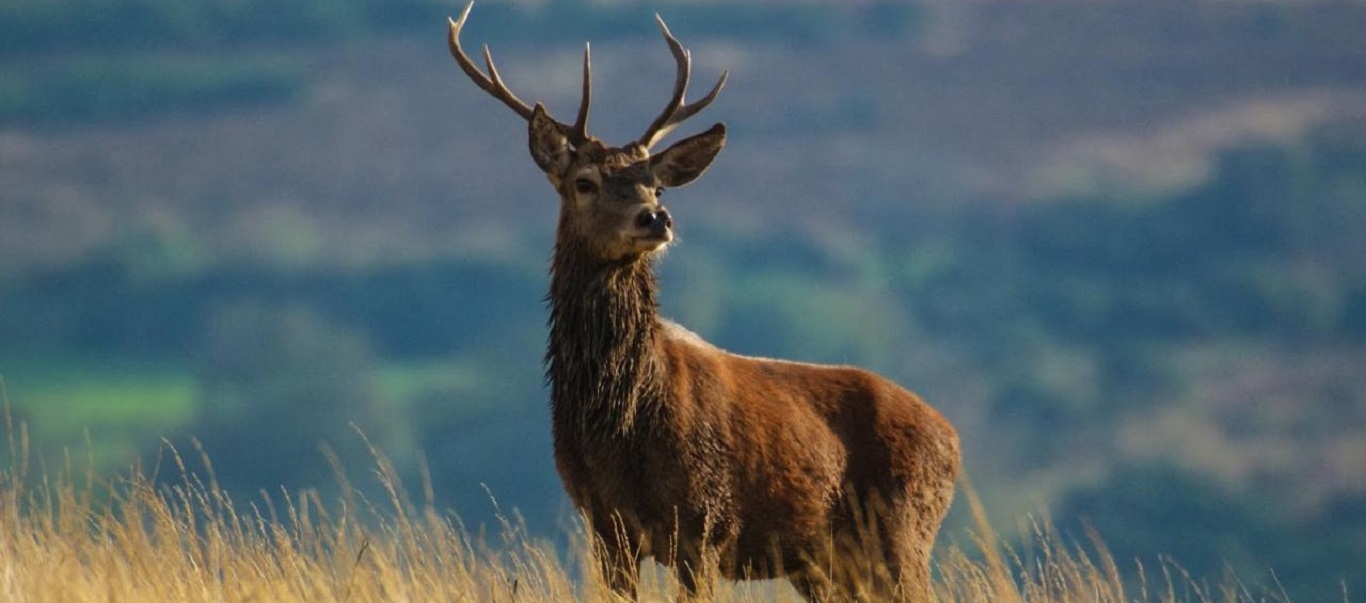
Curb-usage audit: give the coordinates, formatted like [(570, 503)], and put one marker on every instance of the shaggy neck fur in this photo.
[(602, 360)]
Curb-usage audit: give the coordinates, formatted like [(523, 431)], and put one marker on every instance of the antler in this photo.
[(493, 84), (676, 112)]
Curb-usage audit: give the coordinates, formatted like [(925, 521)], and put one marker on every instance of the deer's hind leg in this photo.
[(910, 539)]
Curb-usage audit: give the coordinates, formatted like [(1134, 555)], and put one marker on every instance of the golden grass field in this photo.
[(135, 538)]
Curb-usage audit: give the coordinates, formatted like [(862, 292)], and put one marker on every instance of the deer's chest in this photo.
[(650, 474)]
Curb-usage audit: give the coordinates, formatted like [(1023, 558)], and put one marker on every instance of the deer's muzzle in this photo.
[(657, 221)]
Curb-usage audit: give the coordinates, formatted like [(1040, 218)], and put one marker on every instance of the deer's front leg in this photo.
[(620, 571), (696, 581), (699, 564), (618, 556)]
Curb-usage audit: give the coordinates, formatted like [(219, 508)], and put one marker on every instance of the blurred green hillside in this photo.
[(1118, 244)]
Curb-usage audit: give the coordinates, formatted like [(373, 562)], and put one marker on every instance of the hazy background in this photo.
[(1120, 244)]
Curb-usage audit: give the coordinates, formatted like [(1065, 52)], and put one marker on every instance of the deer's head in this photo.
[(609, 196)]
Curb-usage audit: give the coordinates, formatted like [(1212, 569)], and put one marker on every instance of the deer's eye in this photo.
[(585, 186), (659, 192)]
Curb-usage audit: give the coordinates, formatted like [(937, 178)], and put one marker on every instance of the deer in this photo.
[(712, 463)]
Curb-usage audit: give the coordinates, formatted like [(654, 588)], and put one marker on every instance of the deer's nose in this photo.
[(658, 221)]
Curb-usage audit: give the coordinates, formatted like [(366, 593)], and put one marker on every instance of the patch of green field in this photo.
[(408, 380), (108, 408), (444, 391), (111, 409), (65, 396)]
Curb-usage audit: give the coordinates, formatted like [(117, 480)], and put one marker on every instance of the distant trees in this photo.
[(279, 382), (1089, 301), (1145, 508)]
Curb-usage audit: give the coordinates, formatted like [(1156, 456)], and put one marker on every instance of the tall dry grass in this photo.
[(138, 538)]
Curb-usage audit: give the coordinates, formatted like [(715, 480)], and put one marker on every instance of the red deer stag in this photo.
[(711, 462)]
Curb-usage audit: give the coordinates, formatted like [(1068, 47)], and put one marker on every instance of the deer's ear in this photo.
[(688, 158), (549, 147)]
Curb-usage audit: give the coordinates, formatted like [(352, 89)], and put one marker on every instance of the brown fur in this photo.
[(673, 448), (713, 463)]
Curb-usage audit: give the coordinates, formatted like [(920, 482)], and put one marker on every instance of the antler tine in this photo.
[(491, 83), (580, 131), (676, 112)]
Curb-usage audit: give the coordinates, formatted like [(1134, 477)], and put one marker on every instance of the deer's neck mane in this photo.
[(603, 361)]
